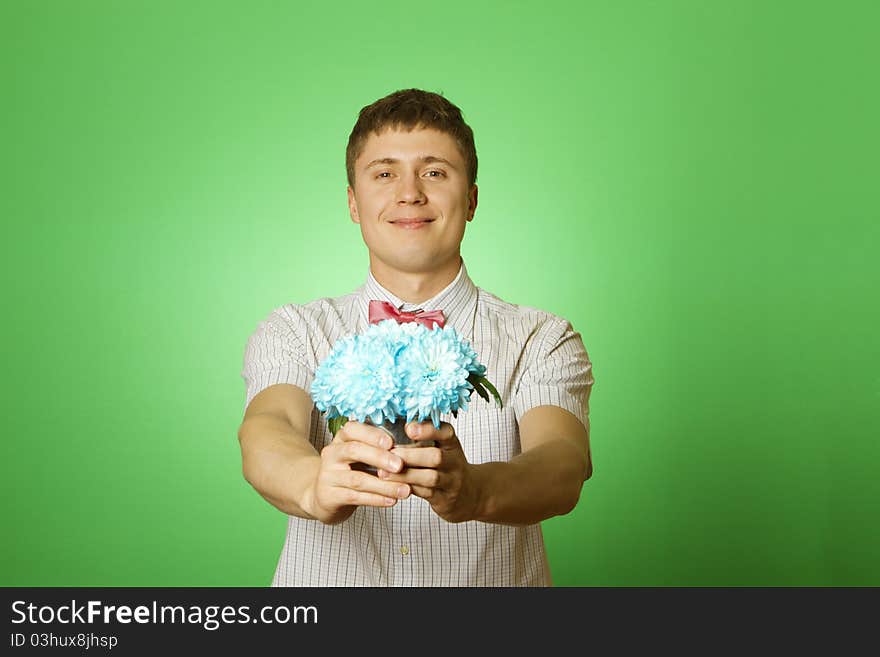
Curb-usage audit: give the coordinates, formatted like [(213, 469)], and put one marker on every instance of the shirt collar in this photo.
[(458, 301)]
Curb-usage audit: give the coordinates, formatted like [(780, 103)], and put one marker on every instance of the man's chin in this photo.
[(411, 261)]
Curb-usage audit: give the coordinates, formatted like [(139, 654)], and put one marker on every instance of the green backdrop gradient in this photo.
[(691, 184)]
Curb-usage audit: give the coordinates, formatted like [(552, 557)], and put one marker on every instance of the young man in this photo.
[(466, 511)]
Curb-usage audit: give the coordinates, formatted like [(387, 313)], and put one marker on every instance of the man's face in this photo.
[(411, 198)]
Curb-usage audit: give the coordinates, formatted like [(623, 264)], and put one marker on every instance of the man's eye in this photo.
[(383, 173), (439, 173)]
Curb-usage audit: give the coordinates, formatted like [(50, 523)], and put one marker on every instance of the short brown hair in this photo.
[(408, 109)]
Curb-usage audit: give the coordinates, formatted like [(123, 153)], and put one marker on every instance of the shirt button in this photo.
[(404, 550)]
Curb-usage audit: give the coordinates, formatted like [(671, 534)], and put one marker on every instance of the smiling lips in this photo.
[(412, 223)]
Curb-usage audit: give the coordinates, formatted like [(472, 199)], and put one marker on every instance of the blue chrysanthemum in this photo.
[(390, 330), (434, 372), (472, 362), (358, 380), (397, 370)]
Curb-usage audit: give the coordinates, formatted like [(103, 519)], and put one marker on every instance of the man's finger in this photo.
[(445, 434), (359, 498), (420, 457), (365, 433), (344, 453), (347, 483), (424, 493), (416, 477)]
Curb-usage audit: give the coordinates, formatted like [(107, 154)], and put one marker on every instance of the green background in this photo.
[(693, 185)]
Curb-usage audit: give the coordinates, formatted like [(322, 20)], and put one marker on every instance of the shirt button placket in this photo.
[(402, 563)]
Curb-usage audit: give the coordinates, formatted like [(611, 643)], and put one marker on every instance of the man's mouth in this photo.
[(414, 222)]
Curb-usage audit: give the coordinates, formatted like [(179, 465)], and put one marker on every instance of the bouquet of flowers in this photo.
[(395, 371)]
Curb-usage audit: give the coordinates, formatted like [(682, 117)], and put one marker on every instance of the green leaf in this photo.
[(492, 389), (336, 424), (482, 393)]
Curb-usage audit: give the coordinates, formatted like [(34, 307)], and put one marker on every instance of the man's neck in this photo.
[(414, 287)]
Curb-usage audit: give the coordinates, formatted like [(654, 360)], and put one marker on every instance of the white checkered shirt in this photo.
[(532, 357)]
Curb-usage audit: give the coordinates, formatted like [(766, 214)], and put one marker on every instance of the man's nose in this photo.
[(410, 190)]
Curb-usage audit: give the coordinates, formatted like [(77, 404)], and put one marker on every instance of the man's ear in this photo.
[(472, 203), (352, 206)]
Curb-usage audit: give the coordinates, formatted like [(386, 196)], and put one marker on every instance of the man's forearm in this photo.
[(543, 482), (278, 462)]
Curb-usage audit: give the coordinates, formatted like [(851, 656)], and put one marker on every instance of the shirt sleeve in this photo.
[(559, 373), (273, 355)]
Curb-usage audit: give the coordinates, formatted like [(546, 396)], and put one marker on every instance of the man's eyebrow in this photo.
[(425, 159)]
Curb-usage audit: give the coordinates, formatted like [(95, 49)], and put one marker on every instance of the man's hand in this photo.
[(438, 474), (338, 489)]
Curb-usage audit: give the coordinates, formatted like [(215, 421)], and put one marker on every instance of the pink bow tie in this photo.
[(380, 310)]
